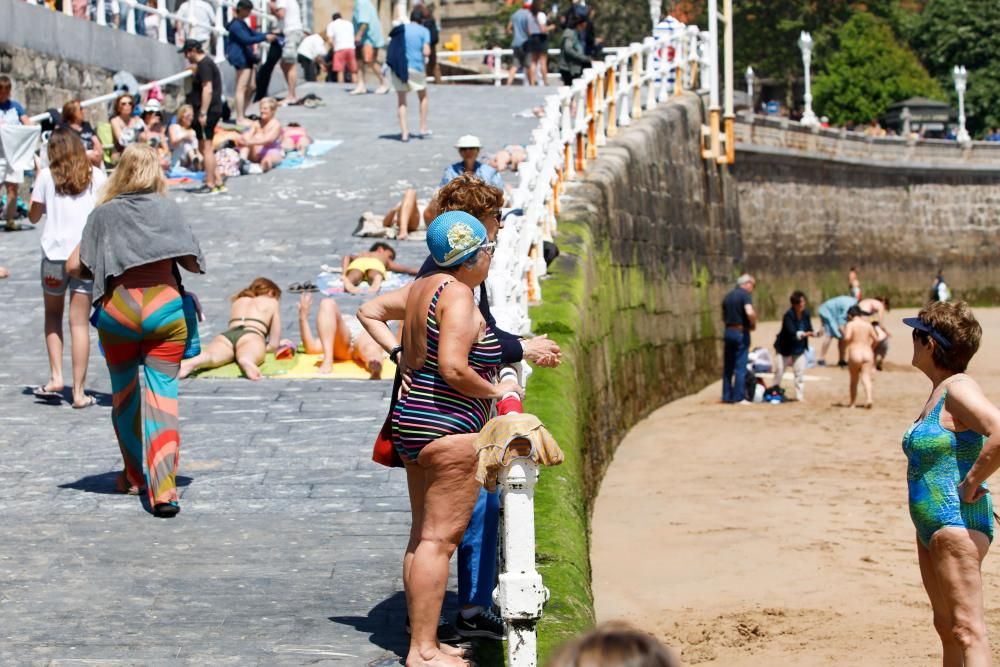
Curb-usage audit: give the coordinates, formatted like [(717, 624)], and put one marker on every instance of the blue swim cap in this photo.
[(453, 237)]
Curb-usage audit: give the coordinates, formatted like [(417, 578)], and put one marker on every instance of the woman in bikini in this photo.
[(952, 449), (261, 144), (455, 358), (254, 325)]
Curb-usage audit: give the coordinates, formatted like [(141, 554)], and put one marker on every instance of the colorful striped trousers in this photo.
[(145, 326)]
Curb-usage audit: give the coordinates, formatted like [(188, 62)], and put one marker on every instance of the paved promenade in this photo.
[(288, 547)]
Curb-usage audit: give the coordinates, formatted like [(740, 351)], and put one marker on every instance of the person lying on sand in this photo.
[(371, 267), (339, 338), (254, 323), (860, 339)]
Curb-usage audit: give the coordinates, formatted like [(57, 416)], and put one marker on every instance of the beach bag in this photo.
[(384, 452), (192, 313)]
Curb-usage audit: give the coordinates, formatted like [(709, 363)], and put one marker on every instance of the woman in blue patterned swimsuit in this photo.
[(952, 448)]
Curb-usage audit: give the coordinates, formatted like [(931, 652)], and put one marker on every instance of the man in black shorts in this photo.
[(206, 100)]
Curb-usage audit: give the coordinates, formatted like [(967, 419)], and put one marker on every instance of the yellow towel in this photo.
[(492, 444)]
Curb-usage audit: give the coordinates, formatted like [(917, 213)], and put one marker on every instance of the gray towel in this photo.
[(132, 230)]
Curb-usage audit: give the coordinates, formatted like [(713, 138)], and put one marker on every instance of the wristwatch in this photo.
[(394, 353)]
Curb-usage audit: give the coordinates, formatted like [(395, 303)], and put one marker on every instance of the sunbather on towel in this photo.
[(254, 325), (371, 267), (339, 338)]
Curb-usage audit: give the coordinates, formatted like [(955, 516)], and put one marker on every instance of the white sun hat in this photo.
[(468, 141)]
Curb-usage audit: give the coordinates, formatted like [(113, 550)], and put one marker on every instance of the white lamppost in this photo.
[(806, 46), (748, 75), (961, 78), (654, 11)]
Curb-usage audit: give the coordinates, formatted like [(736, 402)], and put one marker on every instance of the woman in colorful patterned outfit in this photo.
[(454, 357), (951, 450), (131, 247)]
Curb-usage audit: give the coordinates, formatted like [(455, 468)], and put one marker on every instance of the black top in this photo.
[(788, 343), (86, 134), (206, 70), (511, 351), (733, 307)]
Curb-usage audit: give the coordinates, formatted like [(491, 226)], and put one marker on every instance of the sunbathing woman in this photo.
[(339, 338), (861, 339), (254, 316), (371, 267), (261, 144)]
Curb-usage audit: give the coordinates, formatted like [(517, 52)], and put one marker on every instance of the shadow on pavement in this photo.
[(103, 399), (104, 483)]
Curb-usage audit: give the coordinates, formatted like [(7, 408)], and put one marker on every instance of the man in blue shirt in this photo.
[(368, 38), (11, 113), (740, 319), (410, 44)]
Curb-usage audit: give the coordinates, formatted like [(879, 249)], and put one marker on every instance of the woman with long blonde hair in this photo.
[(65, 193), (132, 245), (254, 330)]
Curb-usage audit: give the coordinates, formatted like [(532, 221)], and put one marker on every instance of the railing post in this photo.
[(67, 7), (591, 115), (566, 130), (521, 593), (635, 50), (162, 11), (611, 93), (600, 104), (101, 18), (649, 45), (130, 17), (497, 69), (220, 47), (624, 94)]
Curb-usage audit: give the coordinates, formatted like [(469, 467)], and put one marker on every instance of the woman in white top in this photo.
[(126, 128), (183, 141), (65, 193), (543, 42)]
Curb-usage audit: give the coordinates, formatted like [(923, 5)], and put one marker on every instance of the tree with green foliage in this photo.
[(864, 69), (963, 32)]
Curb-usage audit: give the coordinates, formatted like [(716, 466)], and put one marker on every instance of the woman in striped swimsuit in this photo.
[(454, 358)]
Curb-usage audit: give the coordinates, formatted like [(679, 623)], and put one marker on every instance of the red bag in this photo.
[(384, 452)]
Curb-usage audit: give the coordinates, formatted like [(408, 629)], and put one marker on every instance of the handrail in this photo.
[(575, 123)]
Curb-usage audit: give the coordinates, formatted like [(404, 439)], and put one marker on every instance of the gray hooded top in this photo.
[(132, 230)]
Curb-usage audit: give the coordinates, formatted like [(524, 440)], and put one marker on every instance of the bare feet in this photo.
[(4, 273), (305, 303), (438, 659), (375, 369), (382, 90), (455, 651), (186, 369), (359, 91), (326, 367), (249, 369)]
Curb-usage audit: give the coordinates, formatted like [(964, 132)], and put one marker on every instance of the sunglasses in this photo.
[(489, 248)]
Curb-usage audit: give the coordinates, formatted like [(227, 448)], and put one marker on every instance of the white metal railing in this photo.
[(133, 9), (575, 123)]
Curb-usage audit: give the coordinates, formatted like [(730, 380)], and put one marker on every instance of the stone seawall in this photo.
[(649, 240), (806, 220)]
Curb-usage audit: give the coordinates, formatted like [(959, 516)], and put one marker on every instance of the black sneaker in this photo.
[(446, 631), (484, 624)]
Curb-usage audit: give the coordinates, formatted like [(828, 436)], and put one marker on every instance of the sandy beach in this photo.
[(779, 535)]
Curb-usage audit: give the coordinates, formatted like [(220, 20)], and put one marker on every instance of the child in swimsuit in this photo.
[(254, 323), (371, 267), (860, 338)]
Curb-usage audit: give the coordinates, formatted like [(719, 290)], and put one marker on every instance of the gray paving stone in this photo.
[(288, 547)]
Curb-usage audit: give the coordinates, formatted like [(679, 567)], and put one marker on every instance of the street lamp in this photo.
[(748, 75), (806, 46), (961, 78), (654, 11)]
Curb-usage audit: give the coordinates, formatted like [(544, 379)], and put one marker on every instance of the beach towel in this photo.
[(18, 144), (333, 283), (300, 367)]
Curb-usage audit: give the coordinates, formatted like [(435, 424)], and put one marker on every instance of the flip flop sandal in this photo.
[(309, 287), (89, 403), (17, 227), (41, 392), (295, 288)]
